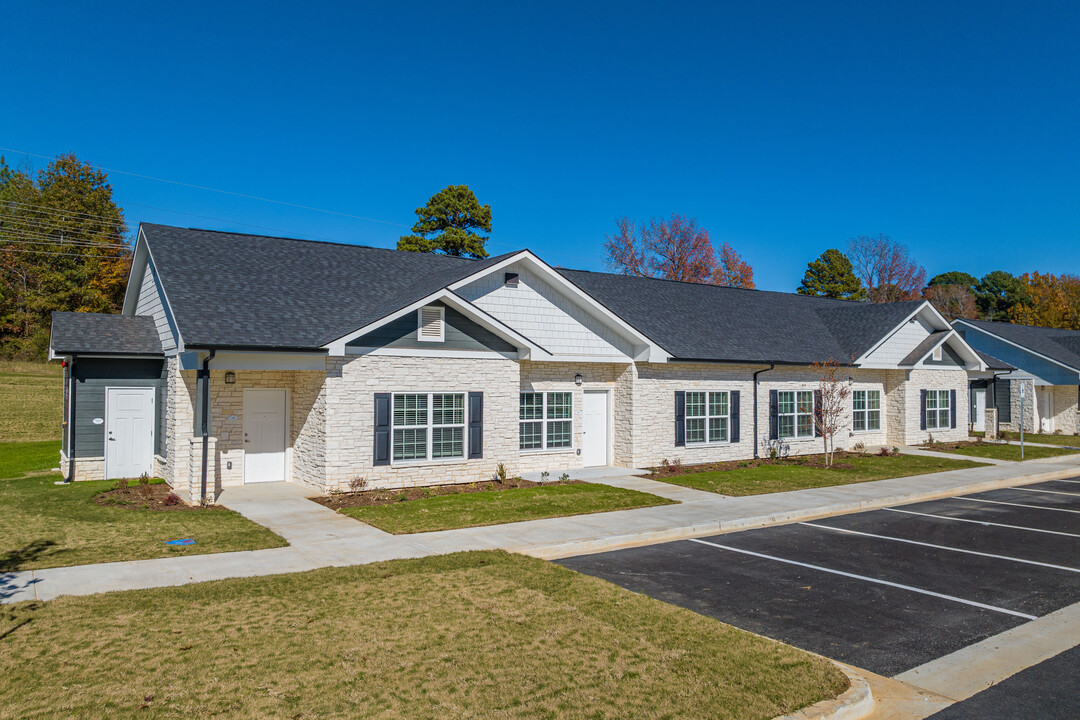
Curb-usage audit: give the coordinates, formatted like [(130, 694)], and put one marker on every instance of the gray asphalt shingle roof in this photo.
[(699, 322), (993, 363), (229, 289), (103, 333), (235, 290), (1060, 345), (924, 347)]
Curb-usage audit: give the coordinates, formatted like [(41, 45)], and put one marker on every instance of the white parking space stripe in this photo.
[(1002, 502), (941, 547), (868, 579), (1050, 492), (982, 522), (1077, 482)]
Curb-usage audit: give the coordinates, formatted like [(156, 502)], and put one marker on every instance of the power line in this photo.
[(47, 252), (68, 243), (225, 192), (31, 208)]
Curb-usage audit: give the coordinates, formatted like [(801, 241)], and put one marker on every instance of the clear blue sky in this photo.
[(785, 127)]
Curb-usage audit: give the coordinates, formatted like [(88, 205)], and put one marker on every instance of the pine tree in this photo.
[(447, 223), (832, 276)]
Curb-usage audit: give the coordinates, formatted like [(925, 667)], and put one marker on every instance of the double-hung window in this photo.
[(429, 426), (546, 421), (866, 410), (938, 410), (707, 417), (795, 413)]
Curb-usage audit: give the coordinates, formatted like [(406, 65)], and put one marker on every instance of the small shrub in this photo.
[(929, 438), (665, 465), (544, 476), (565, 477), (884, 452), (859, 448), (743, 464), (677, 465), (500, 473), (401, 497), (144, 486), (357, 484), (172, 499), (121, 484)]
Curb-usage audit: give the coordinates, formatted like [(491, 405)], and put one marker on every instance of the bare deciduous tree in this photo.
[(886, 269), (831, 404), (952, 301)]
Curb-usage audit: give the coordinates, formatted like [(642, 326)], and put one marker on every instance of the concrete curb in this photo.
[(853, 704), (616, 542)]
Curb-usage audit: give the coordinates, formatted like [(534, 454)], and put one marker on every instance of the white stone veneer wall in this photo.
[(1065, 409), (936, 379), (556, 376), (348, 405), (654, 409)]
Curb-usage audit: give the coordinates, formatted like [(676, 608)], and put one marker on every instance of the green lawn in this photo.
[(1004, 452), (31, 401), (47, 525), (447, 512), (1073, 440), (469, 635), (787, 475)]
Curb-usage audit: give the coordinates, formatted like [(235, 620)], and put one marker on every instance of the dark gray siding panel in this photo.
[(949, 358), (461, 333), (92, 376)]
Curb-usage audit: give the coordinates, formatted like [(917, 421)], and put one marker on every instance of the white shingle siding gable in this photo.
[(900, 343), (541, 313), (150, 303)]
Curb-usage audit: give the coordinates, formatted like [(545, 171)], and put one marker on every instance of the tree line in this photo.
[(63, 246)]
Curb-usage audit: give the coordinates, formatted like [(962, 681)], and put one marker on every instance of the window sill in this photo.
[(722, 443), (426, 463), (551, 451)]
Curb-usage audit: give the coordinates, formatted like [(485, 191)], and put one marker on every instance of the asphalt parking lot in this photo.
[(885, 590)]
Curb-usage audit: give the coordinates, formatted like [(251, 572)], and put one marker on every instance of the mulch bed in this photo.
[(815, 461), (370, 498), (145, 497)]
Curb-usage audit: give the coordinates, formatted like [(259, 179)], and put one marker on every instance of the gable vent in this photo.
[(430, 324)]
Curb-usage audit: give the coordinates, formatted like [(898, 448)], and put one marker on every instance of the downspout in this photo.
[(205, 420), (71, 420), (764, 370)]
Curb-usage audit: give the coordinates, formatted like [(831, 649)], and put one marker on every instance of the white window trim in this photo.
[(706, 417), (428, 460), (947, 408), (420, 324), (866, 411), (544, 420), (795, 416)]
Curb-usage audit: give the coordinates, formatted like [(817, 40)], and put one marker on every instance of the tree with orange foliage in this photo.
[(675, 249), (732, 270), (1054, 301), (886, 269)]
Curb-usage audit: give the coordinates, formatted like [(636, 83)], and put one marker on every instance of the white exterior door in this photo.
[(594, 429), (1046, 410), (264, 435), (978, 423), (129, 432)]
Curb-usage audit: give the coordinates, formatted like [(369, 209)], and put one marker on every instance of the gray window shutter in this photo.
[(817, 411), (774, 415), (1003, 400), (476, 425), (733, 408), (680, 418), (952, 409), (382, 429), (922, 409)]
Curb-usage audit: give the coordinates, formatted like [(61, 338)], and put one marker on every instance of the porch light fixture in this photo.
[(230, 378), (578, 379)]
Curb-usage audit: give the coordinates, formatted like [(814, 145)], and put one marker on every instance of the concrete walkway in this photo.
[(906, 450), (322, 538)]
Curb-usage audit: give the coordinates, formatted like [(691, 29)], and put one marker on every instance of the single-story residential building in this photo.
[(241, 359), (1044, 361)]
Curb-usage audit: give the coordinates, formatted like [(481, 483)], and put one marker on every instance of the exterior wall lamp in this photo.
[(230, 378), (578, 379)]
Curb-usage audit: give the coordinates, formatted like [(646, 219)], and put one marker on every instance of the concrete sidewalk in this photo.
[(322, 538)]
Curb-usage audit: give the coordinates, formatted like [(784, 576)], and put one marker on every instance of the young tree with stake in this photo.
[(831, 404)]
